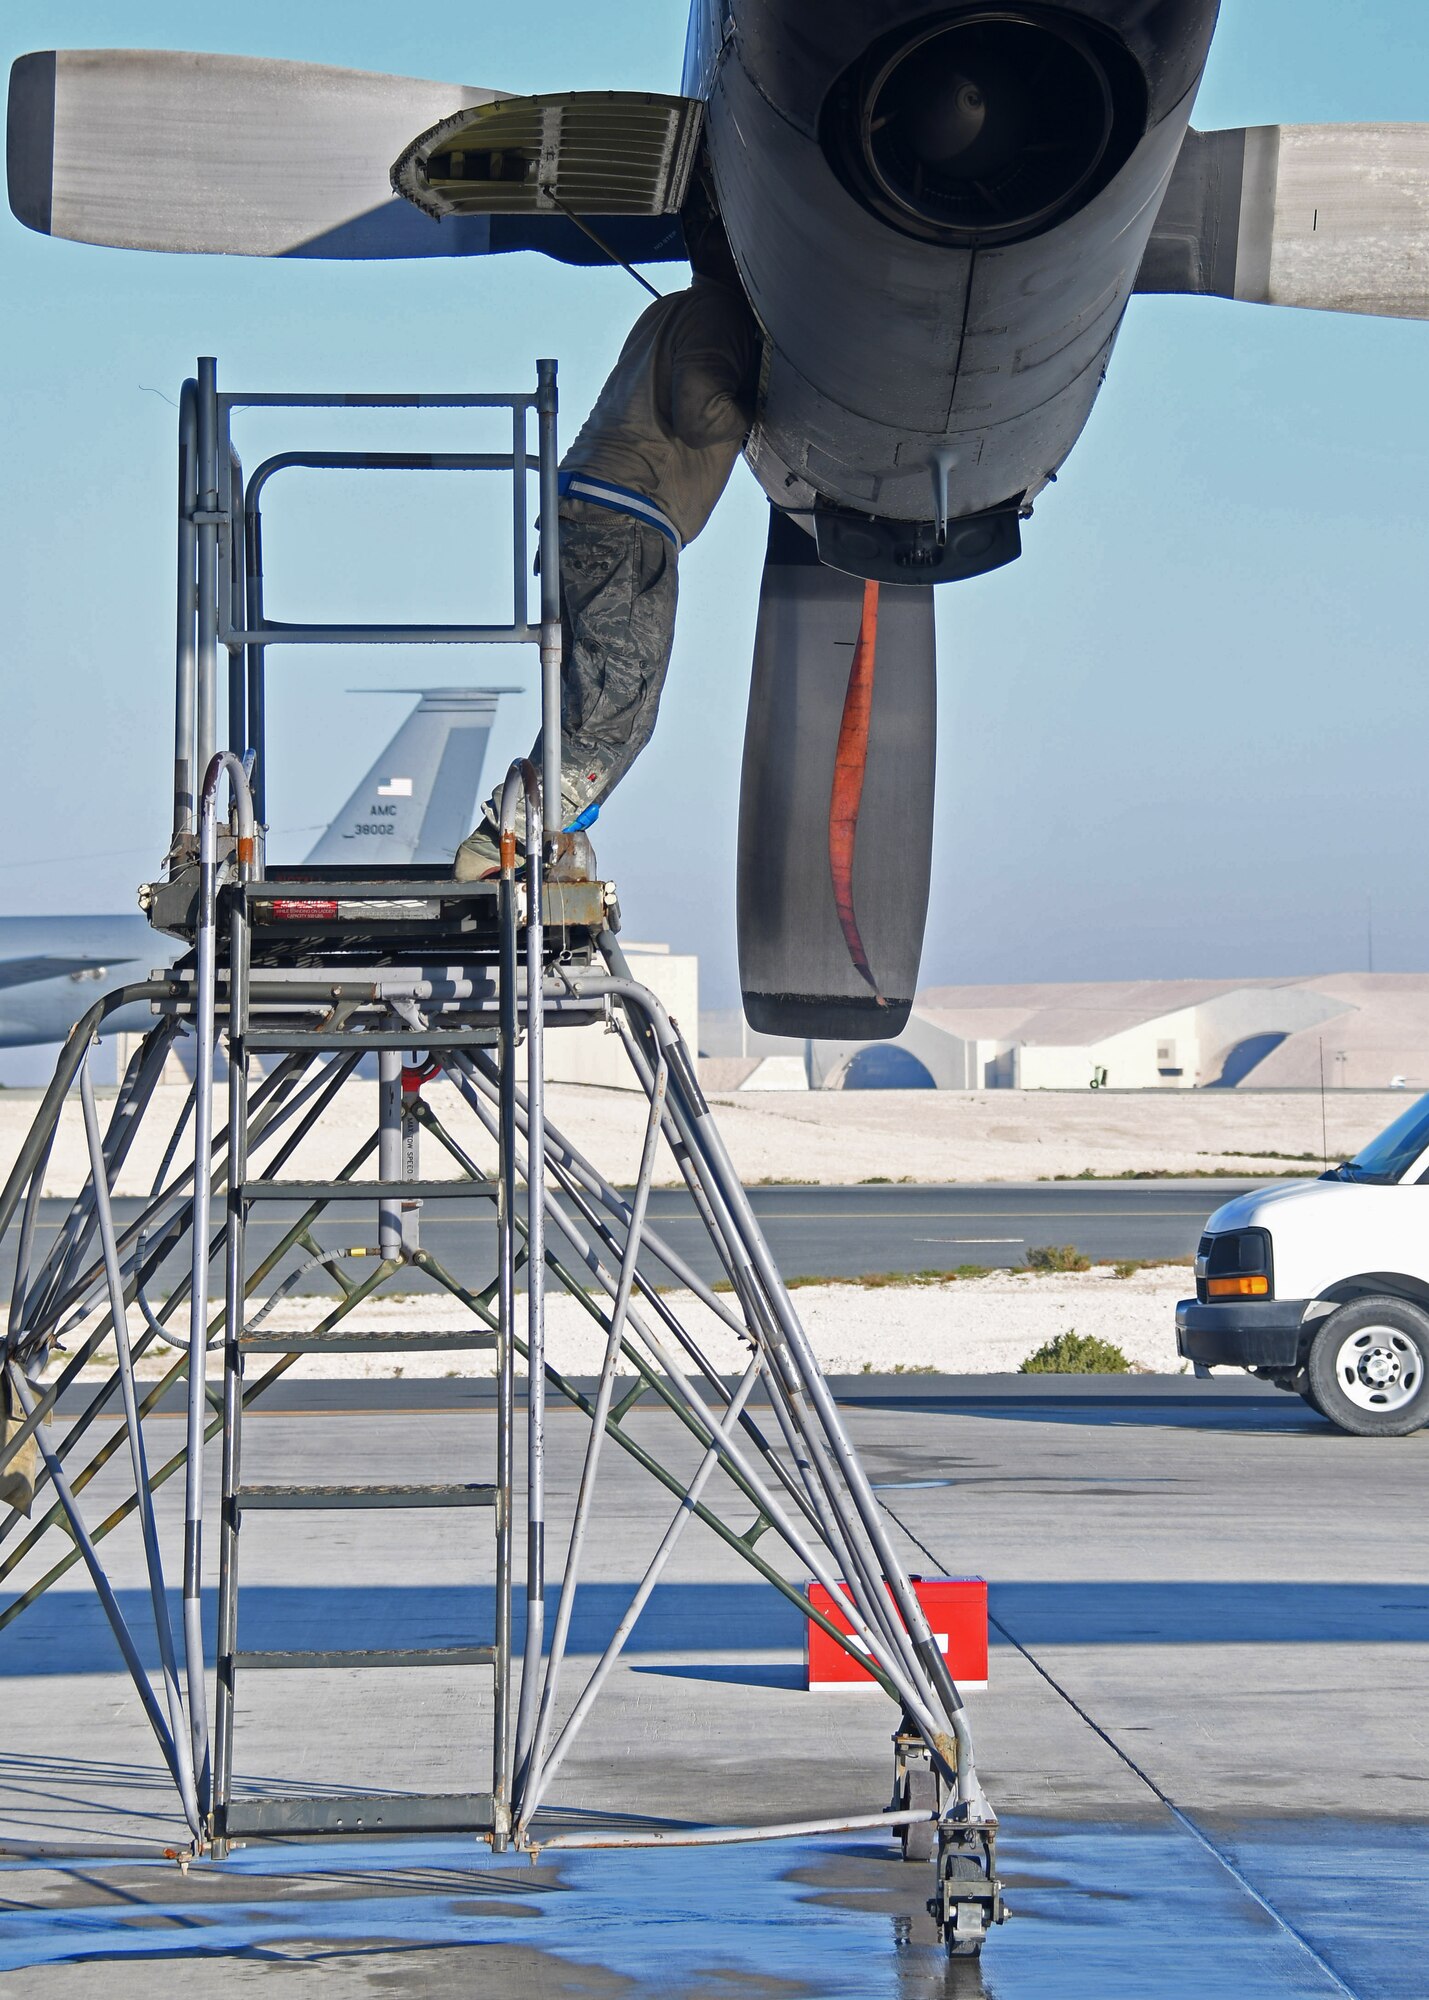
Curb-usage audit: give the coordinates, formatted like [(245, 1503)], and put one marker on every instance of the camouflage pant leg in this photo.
[(619, 583), (618, 589), (21, 1472)]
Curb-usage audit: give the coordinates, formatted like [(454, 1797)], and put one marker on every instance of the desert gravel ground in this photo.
[(841, 1136), (962, 1326)]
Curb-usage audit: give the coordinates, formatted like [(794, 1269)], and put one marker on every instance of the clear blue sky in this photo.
[(1184, 735)]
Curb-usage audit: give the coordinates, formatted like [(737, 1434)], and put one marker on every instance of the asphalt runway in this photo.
[(1202, 1731), (814, 1232)]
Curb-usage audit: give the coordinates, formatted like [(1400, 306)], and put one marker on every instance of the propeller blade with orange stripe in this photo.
[(836, 802)]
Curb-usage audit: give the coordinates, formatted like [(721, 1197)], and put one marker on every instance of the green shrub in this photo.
[(1073, 1353), (1127, 1268), (1058, 1257)]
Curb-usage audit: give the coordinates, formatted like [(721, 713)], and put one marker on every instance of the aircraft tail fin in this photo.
[(418, 802)]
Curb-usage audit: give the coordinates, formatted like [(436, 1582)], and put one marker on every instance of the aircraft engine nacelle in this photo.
[(939, 216)]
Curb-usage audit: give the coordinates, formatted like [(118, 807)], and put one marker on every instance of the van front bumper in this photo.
[(1241, 1333)]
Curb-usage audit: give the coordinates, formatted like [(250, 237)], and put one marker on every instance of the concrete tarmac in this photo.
[(814, 1232), (1204, 1730)]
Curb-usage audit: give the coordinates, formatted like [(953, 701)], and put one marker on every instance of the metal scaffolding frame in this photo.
[(317, 969)]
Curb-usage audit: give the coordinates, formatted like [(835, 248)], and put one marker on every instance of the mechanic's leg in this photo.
[(619, 588), (619, 582)]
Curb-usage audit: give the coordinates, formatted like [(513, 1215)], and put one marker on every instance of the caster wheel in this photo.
[(918, 1793), (962, 1868)]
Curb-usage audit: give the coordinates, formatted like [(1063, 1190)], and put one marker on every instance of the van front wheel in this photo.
[(1368, 1368)]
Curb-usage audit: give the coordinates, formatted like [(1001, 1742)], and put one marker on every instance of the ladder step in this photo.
[(361, 1812), (283, 1498), (340, 1341), (372, 1656), (289, 881), (364, 1190), (286, 1039)]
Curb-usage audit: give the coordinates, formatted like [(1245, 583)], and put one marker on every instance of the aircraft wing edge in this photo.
[(33, 971)]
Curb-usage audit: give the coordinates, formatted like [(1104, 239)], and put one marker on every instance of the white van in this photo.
[(1322, 1287)]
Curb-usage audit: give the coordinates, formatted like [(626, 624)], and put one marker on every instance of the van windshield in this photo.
[(1389, 1157)]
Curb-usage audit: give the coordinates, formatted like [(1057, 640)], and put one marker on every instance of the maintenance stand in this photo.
[(313, 972)]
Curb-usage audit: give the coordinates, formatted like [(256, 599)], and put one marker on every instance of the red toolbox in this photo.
[(956, 1610)]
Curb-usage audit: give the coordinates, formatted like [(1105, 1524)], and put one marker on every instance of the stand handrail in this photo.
[(223, 764)]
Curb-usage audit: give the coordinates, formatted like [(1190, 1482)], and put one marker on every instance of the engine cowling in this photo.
[(939, 296)]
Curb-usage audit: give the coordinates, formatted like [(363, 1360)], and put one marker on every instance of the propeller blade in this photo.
[(158, 150), (1330, 217), (155, 150), (836, 798)]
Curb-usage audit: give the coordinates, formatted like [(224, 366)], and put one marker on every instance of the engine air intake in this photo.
[(986, 127)]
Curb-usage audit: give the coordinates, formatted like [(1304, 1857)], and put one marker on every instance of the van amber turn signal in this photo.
[(1238, 1288)]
